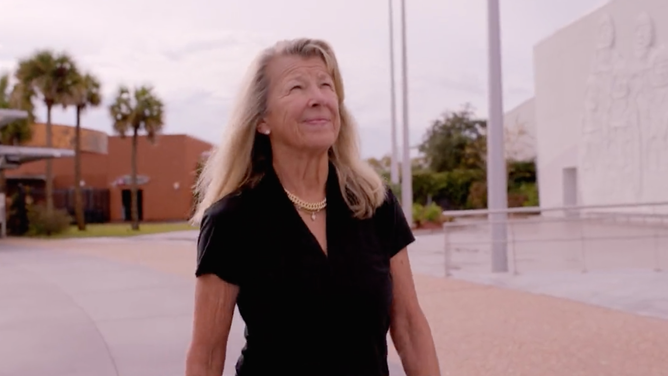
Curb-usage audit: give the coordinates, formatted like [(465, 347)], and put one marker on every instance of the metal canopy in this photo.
[(7, 116), (13, 156)]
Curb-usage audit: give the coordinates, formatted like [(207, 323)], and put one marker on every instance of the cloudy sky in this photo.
[(194, 52)]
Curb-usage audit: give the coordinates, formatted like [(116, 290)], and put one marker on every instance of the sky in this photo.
[(195, 52)]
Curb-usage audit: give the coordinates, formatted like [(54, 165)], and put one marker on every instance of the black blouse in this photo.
[(306, 313)]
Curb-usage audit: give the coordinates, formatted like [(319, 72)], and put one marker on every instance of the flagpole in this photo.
[(406, 174), (394, 167), (497, 193)]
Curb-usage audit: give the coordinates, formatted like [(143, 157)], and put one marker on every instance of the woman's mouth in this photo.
[(317, 121)]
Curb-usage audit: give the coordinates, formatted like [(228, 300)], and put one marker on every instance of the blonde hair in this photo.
[(243, 155)]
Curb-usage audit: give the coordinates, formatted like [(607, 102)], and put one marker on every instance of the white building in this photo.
[(600, 109)]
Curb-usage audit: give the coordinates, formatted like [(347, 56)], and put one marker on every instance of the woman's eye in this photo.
[(296, 87)]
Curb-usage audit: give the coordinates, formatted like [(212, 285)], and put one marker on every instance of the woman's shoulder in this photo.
[(231, 206), (390, 203)]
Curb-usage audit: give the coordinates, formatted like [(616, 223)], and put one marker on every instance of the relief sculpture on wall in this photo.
[(624, 143), (595, 145), (658, 113), (652, 84)]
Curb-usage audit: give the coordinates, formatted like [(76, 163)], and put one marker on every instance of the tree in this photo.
[(457, 141), (85, 93), (519, 142), (16, 132), (139, 111), (51, 76)]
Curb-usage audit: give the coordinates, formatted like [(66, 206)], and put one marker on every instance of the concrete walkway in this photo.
[(123, 307), (71, 314), (67, 314)]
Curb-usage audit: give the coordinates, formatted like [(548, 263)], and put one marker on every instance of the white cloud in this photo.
[(195, 52)]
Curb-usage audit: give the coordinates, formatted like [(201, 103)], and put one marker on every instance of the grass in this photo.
[(123, 229)]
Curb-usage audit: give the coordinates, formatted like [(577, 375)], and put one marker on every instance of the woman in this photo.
[(301, 235)]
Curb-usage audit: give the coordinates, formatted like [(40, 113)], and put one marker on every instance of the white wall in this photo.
[(520, 131), (602, 105)]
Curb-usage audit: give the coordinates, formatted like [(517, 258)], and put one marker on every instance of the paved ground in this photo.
[(123, 307), (625, 267), (73, 314)]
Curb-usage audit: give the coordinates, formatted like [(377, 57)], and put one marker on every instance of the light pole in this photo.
[(394, 163), (406, 175), (497, 194)]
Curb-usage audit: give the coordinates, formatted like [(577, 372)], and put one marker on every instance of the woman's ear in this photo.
[(263, 128)]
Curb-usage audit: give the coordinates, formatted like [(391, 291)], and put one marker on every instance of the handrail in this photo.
[(649, 240), (537, 209)]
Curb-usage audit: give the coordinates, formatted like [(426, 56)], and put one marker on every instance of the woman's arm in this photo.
[(214, 308), (409, 327)]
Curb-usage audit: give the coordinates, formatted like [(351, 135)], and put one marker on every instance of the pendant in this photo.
[(313, 216)]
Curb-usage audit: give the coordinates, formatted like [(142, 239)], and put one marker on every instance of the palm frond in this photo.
[(140, 110), (85, 91), (121, 111), (49, 74), (4, 92), (19, 98)]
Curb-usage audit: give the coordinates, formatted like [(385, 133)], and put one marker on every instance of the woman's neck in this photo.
[(305, 177)]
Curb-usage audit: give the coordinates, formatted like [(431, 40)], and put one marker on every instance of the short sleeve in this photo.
[(219, 245), (394, 229)]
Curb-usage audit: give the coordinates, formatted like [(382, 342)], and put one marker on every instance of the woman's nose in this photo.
[(316, 96)]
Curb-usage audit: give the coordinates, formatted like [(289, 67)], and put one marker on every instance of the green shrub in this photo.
[(530, 191), (43, 223), (433, 213), (520, 173), (458, 188), (477, 197), (448, 189), (424, 186), (516, 199), (418, 214), (17, 215)]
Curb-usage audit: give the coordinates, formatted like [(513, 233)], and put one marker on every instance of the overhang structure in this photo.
[(12, 156)]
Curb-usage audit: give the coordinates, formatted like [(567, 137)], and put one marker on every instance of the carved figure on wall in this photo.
[(590, 153), (622, 108), (643, 44), (658, 111), (644, 52), (624, 142), (605, 57), (644, 36), (660, 68), (593, 115), (606, 62), (595, 143)]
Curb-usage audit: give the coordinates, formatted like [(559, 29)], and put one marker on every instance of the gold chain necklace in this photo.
[(312, 207)]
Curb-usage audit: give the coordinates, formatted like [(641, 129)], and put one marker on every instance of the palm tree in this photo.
[(139, 111), (18, 131), (85, 93), (52, 76)]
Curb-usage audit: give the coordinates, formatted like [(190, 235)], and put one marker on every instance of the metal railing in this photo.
[(601, 237)]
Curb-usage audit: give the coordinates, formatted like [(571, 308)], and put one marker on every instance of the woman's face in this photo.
[(302, 105)]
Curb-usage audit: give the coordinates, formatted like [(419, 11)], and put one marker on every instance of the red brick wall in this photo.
[(172, 159)]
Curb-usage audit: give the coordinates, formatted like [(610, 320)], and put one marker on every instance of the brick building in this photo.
[(165, 169)]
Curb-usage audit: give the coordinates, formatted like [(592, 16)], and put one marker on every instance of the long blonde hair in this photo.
[(243, 155)]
